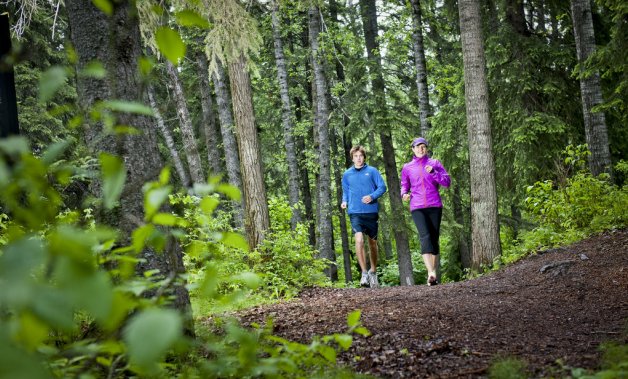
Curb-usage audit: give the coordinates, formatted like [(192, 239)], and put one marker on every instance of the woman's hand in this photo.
[(405, 197), (429, 169)]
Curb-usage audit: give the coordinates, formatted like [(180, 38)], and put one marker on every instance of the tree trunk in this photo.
[(515, 16), (325, 244), (8, 99), (369, 21), (463, 244), (161, 125), (342, 216), (187, 130), (288, 124), (232, 159), (421, 68), (257, 220), (304, 180), (115, 41), (212, 141), (344, 235), (484, 223), (590, 90)]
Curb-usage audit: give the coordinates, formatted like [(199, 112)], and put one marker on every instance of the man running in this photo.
[(362, 185)]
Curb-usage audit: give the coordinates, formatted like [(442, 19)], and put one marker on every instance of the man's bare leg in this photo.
[(373, 255), (359, 250)]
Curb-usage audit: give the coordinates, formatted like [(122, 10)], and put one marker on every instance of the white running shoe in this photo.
[(365, 281), (373, 283)]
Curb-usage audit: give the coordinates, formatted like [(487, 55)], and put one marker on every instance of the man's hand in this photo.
[(367, 199), (343, 205)]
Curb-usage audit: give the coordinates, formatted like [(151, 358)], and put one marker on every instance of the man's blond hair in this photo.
[(357, 148)]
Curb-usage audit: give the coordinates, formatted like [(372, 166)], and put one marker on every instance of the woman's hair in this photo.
[(357, 148)]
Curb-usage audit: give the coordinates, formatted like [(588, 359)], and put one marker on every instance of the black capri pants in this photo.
[(427, 221)]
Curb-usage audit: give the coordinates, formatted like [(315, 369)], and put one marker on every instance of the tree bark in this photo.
[(515, 16), (463, 240), (115, 41), (369, 21), (187, 130), (287, 120), (212, 140), (342, 216), (344, 236), (421, 68), (9, 124), (304, 180), (484, 223), (165, 132), (596, 132), (230, 144), (325, 242), (257, 220)]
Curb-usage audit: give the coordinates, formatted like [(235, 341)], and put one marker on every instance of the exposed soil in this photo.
[(557, 306)]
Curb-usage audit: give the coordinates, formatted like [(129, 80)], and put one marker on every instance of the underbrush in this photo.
[(568, 210), (73, 305)]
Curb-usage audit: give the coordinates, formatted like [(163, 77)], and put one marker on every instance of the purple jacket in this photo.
[(423, 186)]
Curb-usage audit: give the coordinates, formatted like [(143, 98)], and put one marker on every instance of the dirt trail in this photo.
[(558, 305)]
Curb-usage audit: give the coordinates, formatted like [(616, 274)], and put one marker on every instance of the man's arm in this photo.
[(380, 186)]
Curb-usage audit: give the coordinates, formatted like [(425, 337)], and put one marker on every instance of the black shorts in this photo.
[(366, 223), (427, 221)]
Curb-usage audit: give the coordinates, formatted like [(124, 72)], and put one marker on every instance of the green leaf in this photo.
[(251, 280), (32, 332), (19, 259), (146, 65), (95, 294), (168, 220), (328, 353), (113, 177), (362, 331), (234, 240), (195, 249), (164, 176), (343, 340), (150, 334), (54, 151), (232, 191), (140, 236), (104, 5), (209, 204), (191, 18), (128, 107), (14, 145), (50, 82), (353, 319), (153, 200), (94, 69), (170, 44), (16, 363)]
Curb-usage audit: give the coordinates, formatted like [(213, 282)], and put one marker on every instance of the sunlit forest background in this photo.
[(168, 161)]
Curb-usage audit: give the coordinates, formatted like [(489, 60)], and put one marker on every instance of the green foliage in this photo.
[(245, 353), (65, 292), (614, 364), (569, 209), (508, 368), (40, 59), (285, 261)]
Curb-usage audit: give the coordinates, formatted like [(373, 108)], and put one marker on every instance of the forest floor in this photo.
[(551, 310)]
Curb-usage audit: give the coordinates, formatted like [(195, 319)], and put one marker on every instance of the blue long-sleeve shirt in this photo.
[(357, 183)]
